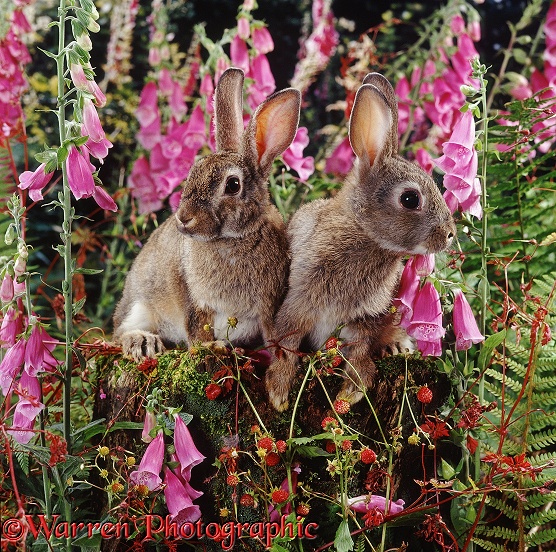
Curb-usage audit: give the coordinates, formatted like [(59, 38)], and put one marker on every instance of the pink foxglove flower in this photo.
[(430, 348), (465, 326), (91, 121), (293, 156), (11, 365), (364, 503), (186, 451), (7, 288), (80, 177), (147, 112), (35, 181), (243, 28), (239, 54), (22, 428), (341, 160), (148, 472), (407, 292), (179, 501), (459, 163), (38, 352), (148, 425), (426, 323), (29, 391), (262, 41), (103, 199), (12, 326), (424, 264)]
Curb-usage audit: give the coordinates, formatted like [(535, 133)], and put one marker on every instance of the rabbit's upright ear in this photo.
[(370, 125), (383, 84), (272, 128), (228, 110)]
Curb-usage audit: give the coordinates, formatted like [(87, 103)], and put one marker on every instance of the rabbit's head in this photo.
[(226, 193), (393, 200)]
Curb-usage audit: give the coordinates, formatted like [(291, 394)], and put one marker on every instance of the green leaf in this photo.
[(82, 270), (343, 541), (311, 452), (78, 305), (300, 440), (491, 342), (448, 472)]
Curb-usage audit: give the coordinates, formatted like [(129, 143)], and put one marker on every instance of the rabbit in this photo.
[(347, 251), (225, 253)]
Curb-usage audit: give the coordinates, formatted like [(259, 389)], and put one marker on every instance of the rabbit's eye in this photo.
[(233, 186), (410, 199)]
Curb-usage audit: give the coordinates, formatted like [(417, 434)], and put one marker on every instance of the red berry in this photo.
[(281, 446), (329, 423), (341, 406), (279, 496), (368, 456), (331, 343), (212, 391), (232, 480), (424, 395), (303, 509), (247, 500), (336, 361), (272, 459), (330, 447), (346, 445), (265, 443)]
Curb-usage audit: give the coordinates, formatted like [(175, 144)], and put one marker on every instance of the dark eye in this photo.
[(410, 199), (233, 186)]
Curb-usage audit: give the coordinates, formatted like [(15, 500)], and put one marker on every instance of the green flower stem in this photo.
[(66, 240), (298, 398)]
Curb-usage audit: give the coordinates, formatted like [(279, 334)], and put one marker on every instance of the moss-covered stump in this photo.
[(226, 396)]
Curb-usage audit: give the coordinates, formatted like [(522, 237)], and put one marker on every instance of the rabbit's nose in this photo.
[(185, 223)]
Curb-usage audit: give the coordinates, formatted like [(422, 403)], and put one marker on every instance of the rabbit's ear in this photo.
[(370, 125), (382, 83), (228, 110), (272, 128)]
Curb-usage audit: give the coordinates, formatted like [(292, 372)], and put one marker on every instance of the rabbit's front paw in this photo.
[(139, 344), (278, 383), (397, 343)]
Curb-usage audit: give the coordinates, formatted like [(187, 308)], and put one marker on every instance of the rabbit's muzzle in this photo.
[(199, 226), (441, 237)]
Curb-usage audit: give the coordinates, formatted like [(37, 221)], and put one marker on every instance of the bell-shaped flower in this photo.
[(179, 501), (29, 392), (7, 288), (80, 174), (407, 292), (364, 503), (424, 264), (38, 352), (11, 365), (99, 150), (243, 28), (143, 188), (465, 326), (341, 160), (293, 156), (426, 322), (262, 41), (148, 472), (148, 425), (78, 77), (22, 428), (147, 111), (35, 181), (430, 348), (104, 199), (186, 451), (176, 102), (91, 121), (239, 54), (12, 326)]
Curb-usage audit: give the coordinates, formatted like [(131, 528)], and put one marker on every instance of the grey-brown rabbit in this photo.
[(347, 251), (224, 254)]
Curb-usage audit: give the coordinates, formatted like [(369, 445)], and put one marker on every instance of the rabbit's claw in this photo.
[(278, 384), (139, 344)]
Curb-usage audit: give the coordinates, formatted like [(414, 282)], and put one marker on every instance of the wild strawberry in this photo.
[(232, 480), (303, 509), (247, 500), (272, 459), (281, 446), (279, 496), (330, 447), (331, 343), (424, 395), (341, 406), (336, 361), (329, 423), (346, 445), (212, 391), (368, 456), (265, 443)]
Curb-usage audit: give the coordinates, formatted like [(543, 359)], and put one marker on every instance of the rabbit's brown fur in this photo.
[(347, 251), (224, 254)]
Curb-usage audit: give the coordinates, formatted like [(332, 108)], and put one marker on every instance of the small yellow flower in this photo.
[(104, 474), (103, 451), (232, 321), (224, 512), (130, 461), (414, 439), (261, 452)]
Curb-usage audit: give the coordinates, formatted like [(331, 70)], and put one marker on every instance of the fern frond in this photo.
[(540, 518), (541, 537), (490, 546), (498, 532)]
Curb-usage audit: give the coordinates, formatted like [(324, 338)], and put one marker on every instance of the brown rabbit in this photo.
[(346, 251), (224, 254)]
